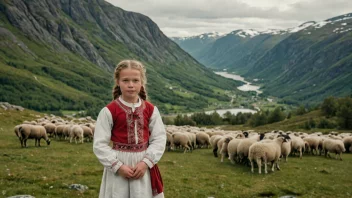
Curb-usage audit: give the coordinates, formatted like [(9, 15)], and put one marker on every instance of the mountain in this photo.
[(194, 45), (311, 64), (237, 50), (61, 54), (304, 64)]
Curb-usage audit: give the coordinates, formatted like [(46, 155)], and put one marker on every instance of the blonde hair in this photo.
[(131, 64)]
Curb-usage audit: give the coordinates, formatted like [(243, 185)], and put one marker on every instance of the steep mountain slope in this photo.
[(311, 64), (236, 51), (195, 45), (60, 54)]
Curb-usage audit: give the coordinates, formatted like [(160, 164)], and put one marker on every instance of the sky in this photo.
[(193, 17)]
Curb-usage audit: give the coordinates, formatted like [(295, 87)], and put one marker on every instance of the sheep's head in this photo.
[(286, 138), (261, 136), (228, 139), (245, 133), (48, 141)]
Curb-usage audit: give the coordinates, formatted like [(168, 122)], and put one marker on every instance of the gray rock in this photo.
[(21, 196), (78, 187)]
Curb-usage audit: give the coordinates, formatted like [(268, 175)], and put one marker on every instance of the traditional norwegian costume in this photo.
[(137, 134)]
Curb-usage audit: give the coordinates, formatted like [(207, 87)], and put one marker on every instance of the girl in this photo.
[(138, 137)]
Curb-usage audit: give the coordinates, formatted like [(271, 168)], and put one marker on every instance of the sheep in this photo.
[(59, 131), (268, 152), (223, 150), (180, 139), (50, 129), (286, 147), (347, 141), (297, 145), (333, 146), (76, 132), (202, 139), (168, 140), (87, 133), (214, 143), (32, 132), (243, 148), (313, 143), (232, 147)]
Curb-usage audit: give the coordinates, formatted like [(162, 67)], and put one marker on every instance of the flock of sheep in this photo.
[(244, 147), (248, 147), (55, 127)]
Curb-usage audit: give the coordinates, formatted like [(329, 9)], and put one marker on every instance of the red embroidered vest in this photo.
[(123, 132)]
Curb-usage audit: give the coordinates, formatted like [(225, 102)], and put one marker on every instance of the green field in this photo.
[(49, 170)]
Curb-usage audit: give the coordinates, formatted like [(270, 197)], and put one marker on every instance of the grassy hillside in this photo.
[(47, 171), (58, 55)]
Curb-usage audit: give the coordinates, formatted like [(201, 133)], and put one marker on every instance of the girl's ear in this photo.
[(117, 82)]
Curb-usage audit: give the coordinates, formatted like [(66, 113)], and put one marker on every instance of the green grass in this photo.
[(47, 171)]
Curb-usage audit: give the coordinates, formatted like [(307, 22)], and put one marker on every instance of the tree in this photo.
[(276, 116), (344, 112), (329, 107)]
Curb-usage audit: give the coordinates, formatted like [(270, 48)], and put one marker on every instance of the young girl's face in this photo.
[(130, 83)]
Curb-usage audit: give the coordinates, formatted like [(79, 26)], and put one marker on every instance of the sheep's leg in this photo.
[(39, 142), (273, 166), (222, 157), (340, 156), (277, 165), (252, 166), (71, 139), (259, 163), (286, 158), (300, 153), (265, 165), (25, 143), (215, 151), (231, 155)]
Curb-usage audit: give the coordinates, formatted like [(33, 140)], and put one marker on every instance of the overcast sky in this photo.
[(193, 17)]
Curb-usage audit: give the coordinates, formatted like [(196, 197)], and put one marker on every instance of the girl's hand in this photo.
[(139, 170), (125, 171)]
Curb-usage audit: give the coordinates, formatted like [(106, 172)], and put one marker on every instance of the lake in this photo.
[(234, 111)]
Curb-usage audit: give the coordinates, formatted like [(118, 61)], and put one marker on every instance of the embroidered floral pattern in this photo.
[(132, 118), (130, 147)]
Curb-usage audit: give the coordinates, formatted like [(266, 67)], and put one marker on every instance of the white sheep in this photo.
[(180, 139), (347, 141), (36, 132), (243, 148), (298, 145), (313, 142), (76, 132), (286, 147), (333, 146), (214, 143), (266, 152), (203, 139)]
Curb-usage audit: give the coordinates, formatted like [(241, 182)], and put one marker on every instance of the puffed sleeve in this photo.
[(157, 139), (102, 134)]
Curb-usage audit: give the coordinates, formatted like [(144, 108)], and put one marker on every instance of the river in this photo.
[(246, 87)]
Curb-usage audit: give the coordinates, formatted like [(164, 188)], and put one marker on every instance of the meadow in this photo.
[(47, 171)]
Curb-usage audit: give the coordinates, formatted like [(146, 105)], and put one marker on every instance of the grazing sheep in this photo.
[(243, 149), (347, 141), (223, 150), (298, 145), (313, 142), (214, 143), (76, 132), (180, 139), (50, 129), (87, 133), (59, 131), (266, 152), (32, 132), (168, 141), (286, 147), (333, 146), (203, 139)]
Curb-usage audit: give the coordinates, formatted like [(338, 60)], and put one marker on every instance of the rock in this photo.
[(78, 187), (8, 106), (22, 196)]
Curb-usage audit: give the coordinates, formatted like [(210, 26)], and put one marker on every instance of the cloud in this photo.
[(191, 17)]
